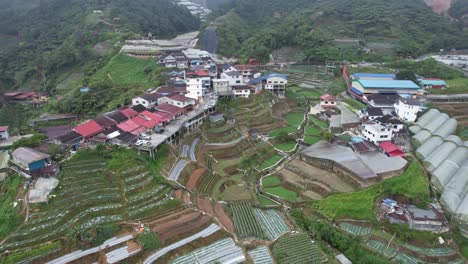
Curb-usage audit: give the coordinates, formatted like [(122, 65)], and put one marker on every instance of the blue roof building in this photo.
[(373, 76), (385, 86), (432, 83)]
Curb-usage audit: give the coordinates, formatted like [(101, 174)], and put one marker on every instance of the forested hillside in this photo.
[(55, 35), (408, 28)]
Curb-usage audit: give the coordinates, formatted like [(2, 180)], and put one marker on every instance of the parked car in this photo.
[(145, 136)]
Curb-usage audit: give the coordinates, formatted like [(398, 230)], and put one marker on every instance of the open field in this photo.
[(283, 193), (412, 184), (124, 70), (288, 129), (96, 189), (222, 251)]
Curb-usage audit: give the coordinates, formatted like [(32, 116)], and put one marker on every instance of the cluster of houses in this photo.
[(199, 73)]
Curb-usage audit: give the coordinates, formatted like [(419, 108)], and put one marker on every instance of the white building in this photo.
[(4, 132), (327, 101), (168, 61), (177, 100), (276, 83), (233, 77), (148, 100), (194, 88), (376, 133), (221, 87), (407, 109), (241, 91)]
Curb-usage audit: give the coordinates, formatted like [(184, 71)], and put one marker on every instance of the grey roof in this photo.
[(462, 210), (415, 129), (348, 117), (436, 123), (374, 111), (28, 155), (366, 165), (422, 136)]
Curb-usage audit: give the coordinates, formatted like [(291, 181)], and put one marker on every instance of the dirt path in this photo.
[(193, 178)]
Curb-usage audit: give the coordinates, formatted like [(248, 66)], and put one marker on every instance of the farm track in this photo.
[(194, 177), (223, 217)]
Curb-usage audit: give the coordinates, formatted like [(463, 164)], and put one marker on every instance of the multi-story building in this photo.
[(407, 109), (276, 84), (376, 133)]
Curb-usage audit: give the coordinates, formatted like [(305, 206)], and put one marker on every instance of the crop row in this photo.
[(222, 251), (245, 223), (207, 183), (136, 177), (261, 255), (297, 249), (271, 222)]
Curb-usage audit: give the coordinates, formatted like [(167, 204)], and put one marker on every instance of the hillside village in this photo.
[(230, 162)]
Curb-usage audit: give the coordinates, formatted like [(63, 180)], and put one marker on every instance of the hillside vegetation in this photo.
[(406, 28), (56, 35)]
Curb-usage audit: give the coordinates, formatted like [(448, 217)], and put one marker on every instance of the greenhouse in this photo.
[(442, 175), (428, 147), (455, 191), (447, 129), (437, 157)]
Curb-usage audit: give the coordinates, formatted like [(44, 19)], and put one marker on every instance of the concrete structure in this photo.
[(177, 100), (29, 159), (148, 100), (195, 88), (233, 77), (376, 133), (407, 109), (276, 84), (221, 87), (328, 101), (241, 91)]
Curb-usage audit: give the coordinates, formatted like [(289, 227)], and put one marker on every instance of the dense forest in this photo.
[(54, 35), (253, 28)]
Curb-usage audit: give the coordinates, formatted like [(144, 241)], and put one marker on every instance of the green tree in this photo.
[(406, 75), (148, 240)]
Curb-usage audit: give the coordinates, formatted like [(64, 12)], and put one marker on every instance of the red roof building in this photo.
[(88, 129), (391, 149), (327, 101), (3, 128), (170, 109), (129, 112), (129, 126)]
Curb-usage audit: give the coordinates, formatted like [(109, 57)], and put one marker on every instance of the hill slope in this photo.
[(409, 27), (57, 34)]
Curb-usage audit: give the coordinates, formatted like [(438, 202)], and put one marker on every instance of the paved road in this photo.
[(177, 169), (82, 253), (204, 233), (192, 150)]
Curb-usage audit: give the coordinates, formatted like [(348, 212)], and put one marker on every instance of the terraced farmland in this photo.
[(297, 249), (245, 223), (381, 248), (271, 222), (91, 194), (356, 230), (261, 255), (222, 251)]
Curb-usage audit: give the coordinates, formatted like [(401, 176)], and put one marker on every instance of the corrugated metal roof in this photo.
[(388, 84), (374, 75)]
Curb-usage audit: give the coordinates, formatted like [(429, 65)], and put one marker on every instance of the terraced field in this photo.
[(297, 249), (91, 194), (261, 255), (222, 251), (356, 230), (255, 222), (245, 223)]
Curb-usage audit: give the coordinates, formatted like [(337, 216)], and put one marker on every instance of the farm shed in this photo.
[(424, 120), (29, 159), (391, 149), (428, 147)]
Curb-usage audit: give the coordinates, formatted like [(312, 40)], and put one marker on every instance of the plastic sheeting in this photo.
[(435, 124), (438, 156), (455, 191), (442, 175), (447, 129), (427, 117), (428, 147), (422, 136)]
